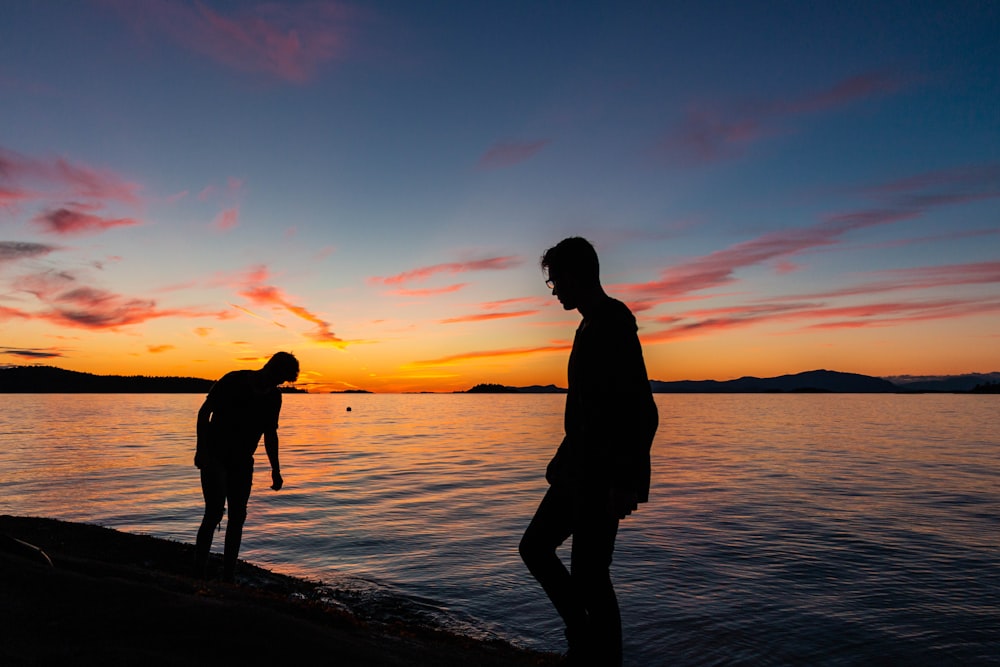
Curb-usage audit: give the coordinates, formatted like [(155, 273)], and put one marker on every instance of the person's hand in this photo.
[(622, 502), (276, 481), (197, 460)]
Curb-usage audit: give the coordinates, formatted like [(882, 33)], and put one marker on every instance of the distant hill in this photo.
[(503, 389), (820, 381), (966, 382), (52, 380), (542, 389)]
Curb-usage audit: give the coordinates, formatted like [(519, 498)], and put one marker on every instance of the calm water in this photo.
[(783, 530)]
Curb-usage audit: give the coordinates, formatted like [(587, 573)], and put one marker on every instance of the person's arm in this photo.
[(556, 472), (271, 447), (204, 414), (271, 442)]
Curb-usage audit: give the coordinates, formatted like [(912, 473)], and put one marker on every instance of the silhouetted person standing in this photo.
[(239, 408), (600, 473)]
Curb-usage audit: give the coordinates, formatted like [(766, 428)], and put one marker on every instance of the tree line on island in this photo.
[(818, 381), (49, 379), (52, 380)]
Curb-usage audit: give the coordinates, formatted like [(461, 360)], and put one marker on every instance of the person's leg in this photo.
[(549, 528), (213, 488), (238, 494), (590, 563)]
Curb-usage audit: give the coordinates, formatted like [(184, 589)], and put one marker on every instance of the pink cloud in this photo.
[(948, 274), (431, 291), (490, 264), (66, 222), (903, 313), (842, 93), (718, 269), (96, 183), (811, 310), (503, 303), (709, 321), (10, 197), (482, 317), (228, 219), (325, 252), (508, 154), (929, 277), (91, 308), (174, 198), (492, 354), (8, 313), (67, 302), (94, 308), (288, 42), (709, 134), (240, 279), (61, 177), (268, 295), (706, 135), (938, 188), (233, 187), (931, 238), (784, 267)]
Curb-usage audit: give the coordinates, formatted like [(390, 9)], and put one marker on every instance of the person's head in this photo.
[(572, 271), (282, 367)]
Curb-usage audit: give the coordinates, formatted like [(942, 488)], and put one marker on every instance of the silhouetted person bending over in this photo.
[(600, 473), (239, 408)]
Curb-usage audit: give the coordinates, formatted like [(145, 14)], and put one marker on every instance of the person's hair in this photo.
[(283, 366), (575, 256)]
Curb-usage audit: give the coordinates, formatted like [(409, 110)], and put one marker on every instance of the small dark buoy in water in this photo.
[(348, 408)]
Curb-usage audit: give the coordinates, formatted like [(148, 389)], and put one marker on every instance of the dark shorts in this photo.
[(227, 484)]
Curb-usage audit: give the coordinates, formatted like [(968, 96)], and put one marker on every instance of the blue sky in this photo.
[(773, 187)]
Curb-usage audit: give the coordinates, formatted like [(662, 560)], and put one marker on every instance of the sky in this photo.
[(772, 187)]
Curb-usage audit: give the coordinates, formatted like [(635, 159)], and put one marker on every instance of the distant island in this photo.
[(816, 382), (820, 381), (503, 389), (52, 380)]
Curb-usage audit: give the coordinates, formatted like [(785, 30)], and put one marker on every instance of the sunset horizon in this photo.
[(901, 380)]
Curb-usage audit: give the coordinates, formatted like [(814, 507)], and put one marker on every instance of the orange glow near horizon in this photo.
[(450, 341), (419, 365)]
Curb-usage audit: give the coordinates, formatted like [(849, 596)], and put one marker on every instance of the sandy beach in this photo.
[(120, 599)]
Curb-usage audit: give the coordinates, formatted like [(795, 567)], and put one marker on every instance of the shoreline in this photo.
[(111, 597)]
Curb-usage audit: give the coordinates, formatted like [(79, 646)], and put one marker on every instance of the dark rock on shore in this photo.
[(114, 598)]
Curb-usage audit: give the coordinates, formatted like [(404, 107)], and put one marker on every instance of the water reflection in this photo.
[(819, 529)]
